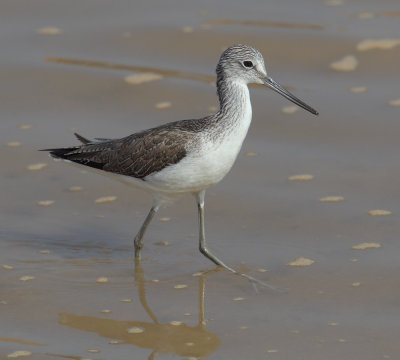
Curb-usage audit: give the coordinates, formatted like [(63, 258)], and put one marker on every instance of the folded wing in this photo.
[(137, 155)]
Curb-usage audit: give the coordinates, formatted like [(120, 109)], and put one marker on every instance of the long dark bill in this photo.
[(280, 90)]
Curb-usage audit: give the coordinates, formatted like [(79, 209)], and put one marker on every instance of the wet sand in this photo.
[(69, 288)]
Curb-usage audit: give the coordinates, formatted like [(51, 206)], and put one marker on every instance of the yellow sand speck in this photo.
[(50, 30), (163, 105), (262, 270), (187, 314), (105, 311), (244, 327), (180, 286), (141, 78), (14, 144), (358, 89), (187, 29), (165, 219), (365, 245), (290, 109), (301, 261), (353, 260), (238, 298), (26, 278), (162, 243), (333, 324), (250, 154), (45, 252), (301, 177), (272, 351), (356, 284), (381, 44), (36, 167), (105, 199), (126, 300), (189, 343), (155, 281), (379, 212), (115, 342), (365, 15), (342, 340), (348, 63), (93, 351), (197, 274), (7, 267), (331, 199), (75, 188), (45, 202), (102, 280), (24, 126), (19, 353), (134, 330), (176, 323), (394, 102)]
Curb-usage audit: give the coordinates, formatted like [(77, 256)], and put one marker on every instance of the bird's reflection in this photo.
[(183, 340)]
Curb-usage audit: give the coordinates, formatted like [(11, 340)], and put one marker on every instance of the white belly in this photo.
[(205, 166)]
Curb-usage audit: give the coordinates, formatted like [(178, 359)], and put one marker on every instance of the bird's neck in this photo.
[(234, 101)]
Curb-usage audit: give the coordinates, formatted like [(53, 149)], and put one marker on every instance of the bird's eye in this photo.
[(247, 64)]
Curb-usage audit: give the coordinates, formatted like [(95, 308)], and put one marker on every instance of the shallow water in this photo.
[(345, 305)]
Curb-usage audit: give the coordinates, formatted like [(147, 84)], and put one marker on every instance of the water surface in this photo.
[(345, 305)]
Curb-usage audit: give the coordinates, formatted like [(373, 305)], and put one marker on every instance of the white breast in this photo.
[(206, 165)]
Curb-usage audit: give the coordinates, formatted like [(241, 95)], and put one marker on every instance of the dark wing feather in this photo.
[(85, 141), (82, 139), (137, 155)]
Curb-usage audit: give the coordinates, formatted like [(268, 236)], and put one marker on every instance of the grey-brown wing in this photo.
[(138, 155), (149, 152)]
